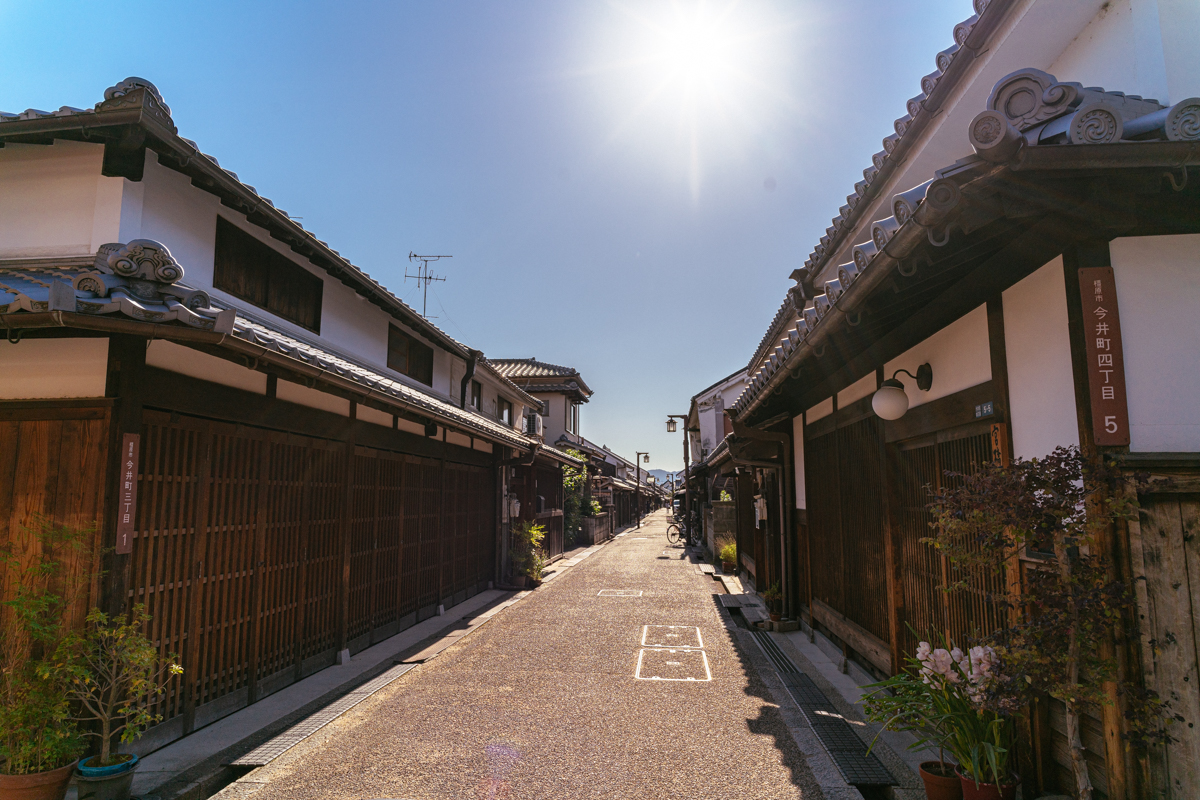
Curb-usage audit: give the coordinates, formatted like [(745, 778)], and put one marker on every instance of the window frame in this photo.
[(504, 407), (240, 259), (395, 334), (477, 395)]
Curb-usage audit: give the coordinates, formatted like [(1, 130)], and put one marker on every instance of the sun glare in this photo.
[(695, 77)]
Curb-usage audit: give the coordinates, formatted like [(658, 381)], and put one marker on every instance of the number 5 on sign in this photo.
[(1105, 356)]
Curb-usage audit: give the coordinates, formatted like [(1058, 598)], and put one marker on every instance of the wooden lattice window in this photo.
[(409, 357), (257, 273)]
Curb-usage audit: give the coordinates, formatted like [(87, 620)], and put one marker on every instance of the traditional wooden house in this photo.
[(1018, 269), (712, 473), (279, 455)]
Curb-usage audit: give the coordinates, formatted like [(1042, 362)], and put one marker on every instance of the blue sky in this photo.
[(624, 187)]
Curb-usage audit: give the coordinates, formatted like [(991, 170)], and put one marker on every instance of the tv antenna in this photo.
[(423, 276)]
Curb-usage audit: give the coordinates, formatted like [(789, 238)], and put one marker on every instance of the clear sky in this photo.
[(624, 186)]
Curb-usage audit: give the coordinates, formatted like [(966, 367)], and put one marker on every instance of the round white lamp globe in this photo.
[(890, 402)]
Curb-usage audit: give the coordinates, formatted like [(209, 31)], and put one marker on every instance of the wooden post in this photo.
[(256, 587), (126, 374), (888, 468), (343, 619), (302, 578), (192, 671), (1086, 255)]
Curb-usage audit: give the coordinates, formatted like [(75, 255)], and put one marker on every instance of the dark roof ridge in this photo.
[(136, 101)]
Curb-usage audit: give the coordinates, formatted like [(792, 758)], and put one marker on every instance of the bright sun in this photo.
[(693, 75)]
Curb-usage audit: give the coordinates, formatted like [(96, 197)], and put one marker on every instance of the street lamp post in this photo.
[(637, 508), (687, 488)]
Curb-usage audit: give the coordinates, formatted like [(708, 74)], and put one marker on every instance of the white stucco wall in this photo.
[(1158, 292), (302, 395), (53, 368), (857, 390), (1041, 389), (373, 416), (819, 411), (1142, 47), (958, 354), (798, 449), (185, 360), (49, 198)]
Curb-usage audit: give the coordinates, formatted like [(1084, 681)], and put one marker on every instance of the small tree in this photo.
[(1060, 506), (574, 483), (36, 730), (527, 557), (114, 674)]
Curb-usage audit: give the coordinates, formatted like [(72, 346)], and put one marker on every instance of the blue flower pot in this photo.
[(105, 783)]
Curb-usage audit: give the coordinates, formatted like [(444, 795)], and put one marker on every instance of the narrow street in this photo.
[(546, 701)]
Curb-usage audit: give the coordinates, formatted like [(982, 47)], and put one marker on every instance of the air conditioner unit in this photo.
[(533, 425)]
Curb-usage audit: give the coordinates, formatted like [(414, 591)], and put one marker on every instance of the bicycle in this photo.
[(679, 532)]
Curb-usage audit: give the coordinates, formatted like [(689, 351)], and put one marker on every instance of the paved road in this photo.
[(543, 702)]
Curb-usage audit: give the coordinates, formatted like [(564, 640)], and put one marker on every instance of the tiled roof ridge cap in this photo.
[(1030, 115), (133, 91), (968, 35)]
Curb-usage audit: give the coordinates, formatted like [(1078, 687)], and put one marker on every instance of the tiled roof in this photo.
[(1033, 122), (970, 38), (136, 101), (140, 281), (528, 373)]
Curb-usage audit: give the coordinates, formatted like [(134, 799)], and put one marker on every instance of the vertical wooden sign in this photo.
[(127, 496), (998, 439), (1105, 358)]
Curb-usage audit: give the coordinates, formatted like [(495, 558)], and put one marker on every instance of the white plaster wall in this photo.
[(819, 411), (53, 368), (1180, 24), (410, 426), (1121, 48), (48, 199), (857, 390), (482, 446), (798, 448), (373, 416), (458, 439), (302, 395), (1041, 389), (1158, 292), (958, 353), (552, 423), (186, 361)]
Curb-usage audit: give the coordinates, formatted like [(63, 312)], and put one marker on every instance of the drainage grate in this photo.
[(270, 750), (849, 753)]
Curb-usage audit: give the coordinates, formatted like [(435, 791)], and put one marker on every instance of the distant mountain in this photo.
[(660, 475)]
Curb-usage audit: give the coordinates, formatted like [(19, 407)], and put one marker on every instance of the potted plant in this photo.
[(963, 703), (727, 552), (41, 584), (114, 675), (1065, 614), (773, 596), (527, 559)]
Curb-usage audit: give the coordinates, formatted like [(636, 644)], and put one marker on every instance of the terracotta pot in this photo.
[(939, 786), (986, 791), (50, 785), (774, 616), (728, 567)]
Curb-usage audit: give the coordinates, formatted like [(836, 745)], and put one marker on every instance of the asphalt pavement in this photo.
[(618, 679)]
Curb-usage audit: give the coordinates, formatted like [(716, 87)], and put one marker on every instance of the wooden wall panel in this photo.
[(50, 458), (863, 526)]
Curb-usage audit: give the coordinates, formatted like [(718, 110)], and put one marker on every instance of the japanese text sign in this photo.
[(127, 491), (1105, 358)]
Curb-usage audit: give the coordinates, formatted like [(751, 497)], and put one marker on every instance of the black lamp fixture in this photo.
[(890, 402), (671, 425)]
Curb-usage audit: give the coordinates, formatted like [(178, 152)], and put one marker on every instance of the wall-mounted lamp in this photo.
[(670, 426), (890, 402)]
